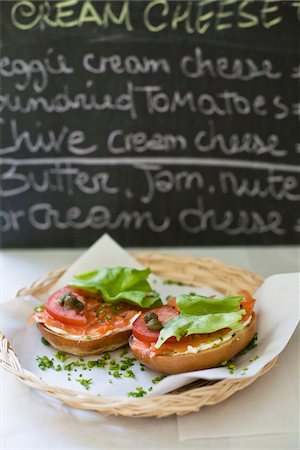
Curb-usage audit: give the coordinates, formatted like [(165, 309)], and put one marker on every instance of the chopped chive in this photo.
[(44, 341), (61, 356), (158, 379), (128, 374), (84, 382), (139, 392), (44, 362)]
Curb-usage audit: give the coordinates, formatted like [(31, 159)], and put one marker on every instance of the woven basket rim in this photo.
[(191, 396)]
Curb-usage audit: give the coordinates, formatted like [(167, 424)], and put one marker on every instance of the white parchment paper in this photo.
[(277, 308)]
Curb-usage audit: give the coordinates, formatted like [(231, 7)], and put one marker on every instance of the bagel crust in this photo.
[(85, 347), (171, 363)]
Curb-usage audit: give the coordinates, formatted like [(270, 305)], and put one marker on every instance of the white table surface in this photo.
[(30, 421)]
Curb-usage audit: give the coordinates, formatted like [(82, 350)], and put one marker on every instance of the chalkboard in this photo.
[(159, 122)]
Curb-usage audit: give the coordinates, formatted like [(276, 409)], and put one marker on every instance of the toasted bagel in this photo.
[(171, 363), (84, 346)]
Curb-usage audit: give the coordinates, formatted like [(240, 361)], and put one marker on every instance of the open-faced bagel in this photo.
[(83, 346), (171, 363)]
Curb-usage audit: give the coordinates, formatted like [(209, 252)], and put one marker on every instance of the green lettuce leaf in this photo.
[(119, 284), (198, 304), (186, 324)]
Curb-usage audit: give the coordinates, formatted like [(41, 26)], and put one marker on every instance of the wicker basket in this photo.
[(191, 271)]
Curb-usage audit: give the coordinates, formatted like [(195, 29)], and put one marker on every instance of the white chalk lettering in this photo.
[(247, 69), (43, 216), (278, 187), (249, 142), (165, 181), (9, 220), (58, 178), (119, 142), (241, 222), (130, 64), (34, 72), (283, 109), (45, 141), (64, 101)]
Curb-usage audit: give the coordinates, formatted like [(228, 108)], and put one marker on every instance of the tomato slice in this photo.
[(247, 304), (141, 331), (64, 315)]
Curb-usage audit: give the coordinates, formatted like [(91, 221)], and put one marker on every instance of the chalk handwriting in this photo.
[(44, 216), (34, 72), (58, 178), (148, 99), (209, 140), (65, 101), (246, 222), (130, 64), (119, 142), (276, 186), (247, 69), (164, 181), (44, 141)]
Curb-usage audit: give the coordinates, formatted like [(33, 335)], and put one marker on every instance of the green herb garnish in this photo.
[(43, 340), (71, 365), (61, 356), (231, 366), (158, 379), (139, 392), (44, 362), (84, 382), (128, 374)]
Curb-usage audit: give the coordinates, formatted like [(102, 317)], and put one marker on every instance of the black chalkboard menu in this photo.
[(160, 122)]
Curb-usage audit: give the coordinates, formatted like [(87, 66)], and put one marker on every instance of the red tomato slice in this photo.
[(64, 315), (140, 330), (247, 304)]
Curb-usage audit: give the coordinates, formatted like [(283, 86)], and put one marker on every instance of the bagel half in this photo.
[(171, 363), (85, 347)]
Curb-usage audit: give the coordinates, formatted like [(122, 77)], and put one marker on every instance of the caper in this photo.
[(62, 298), (154, 325), (152, 322), (149, 316), (70, 301)]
